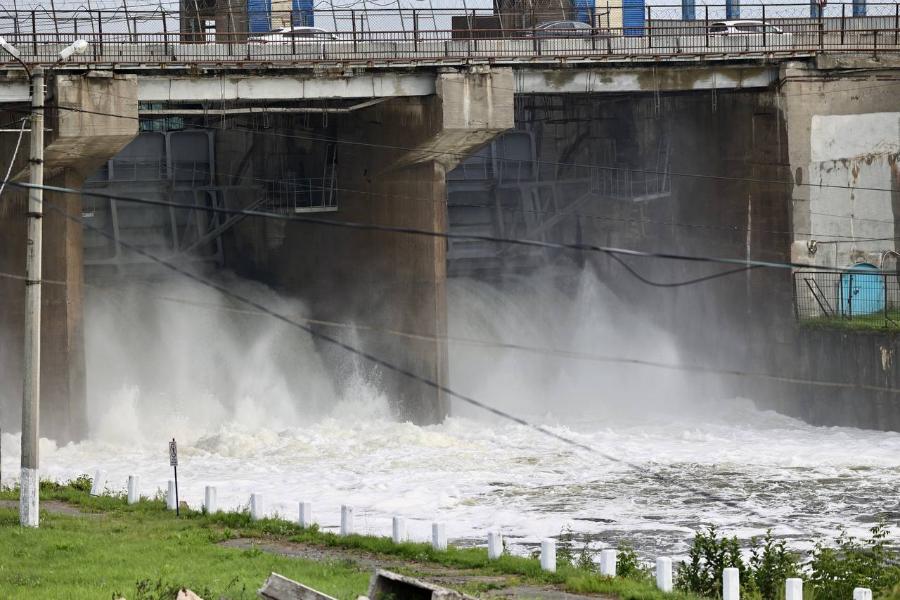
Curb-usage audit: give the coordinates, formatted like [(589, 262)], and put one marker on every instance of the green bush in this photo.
[(769, 565), (835, 571), (628, 564), (708, 557)]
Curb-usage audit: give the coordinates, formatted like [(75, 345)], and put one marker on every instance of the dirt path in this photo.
[(53, 507), (445, 576)]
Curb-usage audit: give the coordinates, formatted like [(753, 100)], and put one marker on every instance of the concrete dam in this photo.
[(747, 155)]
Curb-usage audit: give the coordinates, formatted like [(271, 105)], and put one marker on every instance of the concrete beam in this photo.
[(643, 79), (283, 87)]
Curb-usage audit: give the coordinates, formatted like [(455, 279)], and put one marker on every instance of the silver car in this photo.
[(294, 35)]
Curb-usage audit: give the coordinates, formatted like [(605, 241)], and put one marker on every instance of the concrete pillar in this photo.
[(392, 162), (76, 145)]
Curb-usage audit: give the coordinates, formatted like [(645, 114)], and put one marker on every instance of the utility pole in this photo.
[(30, 482), (31, 391)]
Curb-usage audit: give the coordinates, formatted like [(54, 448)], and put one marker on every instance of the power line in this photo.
[(463, 155), (500, 345), (12, 160), (544, 351), (375, 360), (745, 263)]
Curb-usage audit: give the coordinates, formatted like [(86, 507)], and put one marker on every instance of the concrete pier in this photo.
[(392, 160), (82, 135)]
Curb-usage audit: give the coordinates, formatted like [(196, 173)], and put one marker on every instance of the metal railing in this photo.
[(124, 36), (853, 298)]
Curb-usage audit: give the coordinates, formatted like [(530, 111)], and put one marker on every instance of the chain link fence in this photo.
[(861, 297)]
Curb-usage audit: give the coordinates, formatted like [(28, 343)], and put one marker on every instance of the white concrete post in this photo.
[(134, 489), (399, 530), (664, 573), (793, 589), (495, 544), (170, 496), (97, 484), (306, 519), (211, 500), (548, 555), (438, 536), (862, 594), (731, 584), (608, 562), (257, 507), (346, 520)]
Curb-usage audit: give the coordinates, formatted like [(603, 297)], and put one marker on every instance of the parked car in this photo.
[(294, 35), (744, 28), (564, 29)]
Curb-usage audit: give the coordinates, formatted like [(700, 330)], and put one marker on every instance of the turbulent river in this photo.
[(255, 413)]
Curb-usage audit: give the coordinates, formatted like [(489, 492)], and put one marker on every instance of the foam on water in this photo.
[(255, 410)]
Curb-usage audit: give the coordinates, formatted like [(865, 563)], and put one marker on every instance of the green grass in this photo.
[(144, 551), (873, 322)]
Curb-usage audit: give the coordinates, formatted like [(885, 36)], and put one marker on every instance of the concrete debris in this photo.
[(185, 594), (278, 587), (385, 584)]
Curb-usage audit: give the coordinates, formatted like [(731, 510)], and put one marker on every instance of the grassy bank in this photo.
[(143, 551)]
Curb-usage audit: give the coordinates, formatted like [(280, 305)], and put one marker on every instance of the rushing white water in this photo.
[(255, 410)]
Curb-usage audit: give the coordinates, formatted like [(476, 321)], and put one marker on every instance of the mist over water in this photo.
[(257, 406)]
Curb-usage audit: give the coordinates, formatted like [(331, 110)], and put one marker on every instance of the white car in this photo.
[(294, 35), (744, 28)]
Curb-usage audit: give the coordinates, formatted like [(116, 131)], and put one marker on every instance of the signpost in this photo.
[(173, 461)]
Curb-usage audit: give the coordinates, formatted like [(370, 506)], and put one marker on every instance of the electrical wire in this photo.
[(463, 155), (380, 362), (590, 248), (12, 160)]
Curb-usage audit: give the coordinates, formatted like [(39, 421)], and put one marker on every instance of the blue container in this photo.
[(732, 9), (862, 290), (303, 13), (584, 11), (259, 13), (859, 8), (633, 13), (688, 10), (815, 9)]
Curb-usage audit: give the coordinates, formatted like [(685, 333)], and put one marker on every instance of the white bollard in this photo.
[(862, 594), (257, 507), (346, 520), (399, 530), (170, 496), (134, 489), (306, 514), (438, 536), (548, 555), (731, 584), (608, 562), (495, 544), (97, 484), (793, 589), (211, 500), (664, 573)]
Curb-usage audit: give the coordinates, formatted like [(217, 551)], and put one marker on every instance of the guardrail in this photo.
[(124, 36)]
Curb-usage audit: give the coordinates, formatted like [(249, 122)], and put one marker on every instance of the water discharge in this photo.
[(257, 407)]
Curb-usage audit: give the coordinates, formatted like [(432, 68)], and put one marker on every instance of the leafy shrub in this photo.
[(769, 565), (628, 564), (708, 557), (835, 571)]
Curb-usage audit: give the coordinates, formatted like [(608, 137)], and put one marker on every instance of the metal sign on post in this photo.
[(173, 462)]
